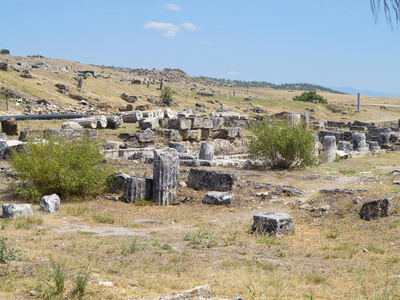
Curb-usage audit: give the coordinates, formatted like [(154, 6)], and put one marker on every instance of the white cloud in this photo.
[(234, 73), (169, 29), (172, 6), (190, 26), (206, 42)]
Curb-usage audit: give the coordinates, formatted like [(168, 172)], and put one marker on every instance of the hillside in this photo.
[(283, 86), (103, 91)]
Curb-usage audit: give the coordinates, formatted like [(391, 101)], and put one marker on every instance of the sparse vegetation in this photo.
[(7, 252), (277, 145)]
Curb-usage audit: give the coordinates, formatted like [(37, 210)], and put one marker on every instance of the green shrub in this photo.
[(310, 96), (72, 169), (278, 145), (166, 96)]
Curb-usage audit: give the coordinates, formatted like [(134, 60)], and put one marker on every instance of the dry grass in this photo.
[(199, 244)]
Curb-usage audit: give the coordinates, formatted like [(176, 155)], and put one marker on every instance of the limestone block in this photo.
[(165, 175), (376, 209), (273, 223), (218, 198), (138, 188), (207, 151), (50, 203), (11, 210), (200, 179)]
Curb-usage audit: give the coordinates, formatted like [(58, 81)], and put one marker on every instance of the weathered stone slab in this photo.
[(191, 135), (132, 116), (165, 175), (329, 149), (230, 133), (138, 188), (344, 146), (342, 191), (119, 182), (9, 126), (207, 151), (376, 209), (150, 123), (218, 198), (359, 141), (11, 210), (71, 125), (217, 123), (114, 122), (50, 203), (201, 122), (273, 223), (180, 147), (180, 123), (200, 179)]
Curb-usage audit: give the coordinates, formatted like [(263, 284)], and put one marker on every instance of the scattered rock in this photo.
[(200, 179), (273, 223), (218, 198), (11, 210), (376, 209), (50, 203)]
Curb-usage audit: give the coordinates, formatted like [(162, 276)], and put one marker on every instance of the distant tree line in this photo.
[(4, 51), (284, 86)]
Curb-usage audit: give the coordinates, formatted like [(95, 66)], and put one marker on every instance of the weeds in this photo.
[(55, 283), (77, 210), (103, 219), (8, 253), (25, 222), (130, 248), (203, 237), (143, 202)]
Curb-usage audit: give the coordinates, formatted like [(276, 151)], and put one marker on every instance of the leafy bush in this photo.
[(277, 145), (310, 96), (4, 51), (71, 169), (166, 96)]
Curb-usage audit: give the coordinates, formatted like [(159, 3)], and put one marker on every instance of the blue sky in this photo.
[(327, 42)]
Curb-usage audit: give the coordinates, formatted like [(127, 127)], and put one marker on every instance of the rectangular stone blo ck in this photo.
[(211, 180)]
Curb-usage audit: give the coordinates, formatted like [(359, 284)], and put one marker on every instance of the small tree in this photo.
[(277, 145), (166, 96), (4, 51), (310, 96)]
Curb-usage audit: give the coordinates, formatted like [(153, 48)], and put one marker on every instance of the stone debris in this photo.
[(272, 223), (11, 210), (218, 198), (376, 209), (50, 203), (9, 126), (200, 179), (206, 151), (138, 188), (342, 191), (199, 292)]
